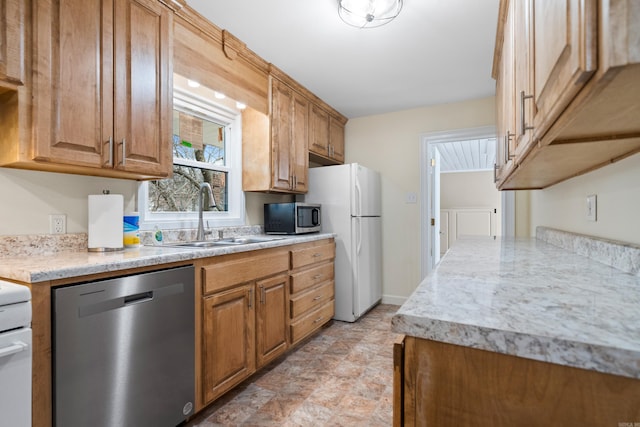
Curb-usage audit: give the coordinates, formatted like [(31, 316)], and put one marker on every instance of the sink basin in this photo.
[(232, 241)]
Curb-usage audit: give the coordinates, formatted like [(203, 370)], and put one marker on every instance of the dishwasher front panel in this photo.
[(124, 350)]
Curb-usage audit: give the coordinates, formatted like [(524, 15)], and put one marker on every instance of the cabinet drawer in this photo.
[(302, 257), (309, 278), (311, 299), (223, 274), (312, 321)]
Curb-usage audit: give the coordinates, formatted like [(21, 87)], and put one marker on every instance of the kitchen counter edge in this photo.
[(64, 265)]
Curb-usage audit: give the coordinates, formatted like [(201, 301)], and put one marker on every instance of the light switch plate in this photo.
[(592, 208), (411, 197)]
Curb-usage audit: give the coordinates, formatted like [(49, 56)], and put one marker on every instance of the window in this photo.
[(206, 148)]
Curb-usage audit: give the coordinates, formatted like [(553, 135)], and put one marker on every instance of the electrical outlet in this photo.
[(411, 198), (57, 223)]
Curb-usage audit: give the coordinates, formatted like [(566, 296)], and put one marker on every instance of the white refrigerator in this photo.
[(351, 208)]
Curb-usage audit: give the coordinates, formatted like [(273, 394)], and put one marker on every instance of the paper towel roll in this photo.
[(105, 222)]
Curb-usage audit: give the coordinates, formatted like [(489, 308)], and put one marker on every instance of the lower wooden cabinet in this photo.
[(312, 289), (271, 320), (229, 339), (255, 306), (440, 384)]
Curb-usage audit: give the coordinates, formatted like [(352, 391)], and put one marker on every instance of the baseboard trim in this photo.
[(393, 299)]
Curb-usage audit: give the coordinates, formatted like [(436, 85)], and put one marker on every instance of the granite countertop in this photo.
[(67, 264), (528, 298)]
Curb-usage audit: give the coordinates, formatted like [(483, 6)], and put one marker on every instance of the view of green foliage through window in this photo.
[(198, 156)]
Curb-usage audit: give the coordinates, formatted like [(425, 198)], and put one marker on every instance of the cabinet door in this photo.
[(271, 333), (318, 131), (564, 34), (300, 143), (73, 81), (336, 140), (281, 138), (519, 136), (12, 31), (505, 96), (143, 90), (229, 340)]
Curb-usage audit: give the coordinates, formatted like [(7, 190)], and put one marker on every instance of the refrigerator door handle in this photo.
[(358, 236), (358, 199)]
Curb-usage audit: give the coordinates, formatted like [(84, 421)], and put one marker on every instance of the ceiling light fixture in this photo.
[(240, 105), (219, 95), (193, 83), (368, 13)]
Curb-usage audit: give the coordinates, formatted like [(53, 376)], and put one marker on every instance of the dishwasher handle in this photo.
[(138, 298), (14, 348)]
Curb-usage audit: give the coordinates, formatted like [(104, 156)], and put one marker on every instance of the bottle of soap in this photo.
[(157, 236)]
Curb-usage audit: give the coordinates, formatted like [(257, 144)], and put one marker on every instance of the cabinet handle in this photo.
[(124, 152), (523, 125), (262, 295), (507, 139), (317, 276), (317, 254), (295, 182), (317, 298), (495, 173), (291, 182), (250, 297), (110, 142), (319, 319)]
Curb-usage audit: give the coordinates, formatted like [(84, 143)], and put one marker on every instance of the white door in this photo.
[(366, 197), (433, 206), (367, 263)]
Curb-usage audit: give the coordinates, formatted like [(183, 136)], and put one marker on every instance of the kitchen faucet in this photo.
[(200, 235)]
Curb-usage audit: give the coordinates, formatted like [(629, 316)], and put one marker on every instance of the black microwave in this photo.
[(291, 218)]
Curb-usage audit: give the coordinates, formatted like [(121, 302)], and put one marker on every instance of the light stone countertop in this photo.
[(31, 268), (527, 298)]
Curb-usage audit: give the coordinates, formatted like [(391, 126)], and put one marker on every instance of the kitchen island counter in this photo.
[(528, 298)]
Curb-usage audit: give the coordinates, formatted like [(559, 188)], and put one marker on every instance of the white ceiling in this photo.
[(434, 52), (468, 155)]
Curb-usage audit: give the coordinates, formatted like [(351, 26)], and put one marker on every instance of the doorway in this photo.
[(471, 150)]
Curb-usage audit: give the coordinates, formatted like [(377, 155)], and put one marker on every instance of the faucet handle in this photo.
[(220, 234)]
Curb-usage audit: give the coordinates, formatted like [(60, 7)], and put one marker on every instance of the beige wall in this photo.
[(390, 144), (28, 197), (468, 190), (617, 186)]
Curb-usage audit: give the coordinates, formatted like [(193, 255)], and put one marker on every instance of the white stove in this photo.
[(15, 354)]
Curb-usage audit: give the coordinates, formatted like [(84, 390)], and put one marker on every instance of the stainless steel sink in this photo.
[(232, 241)]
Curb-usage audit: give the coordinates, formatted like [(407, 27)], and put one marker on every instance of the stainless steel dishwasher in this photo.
[(124, 350)]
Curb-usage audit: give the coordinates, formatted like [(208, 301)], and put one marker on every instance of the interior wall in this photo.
[(390, 144), (617, 187), (29, 197), (468, 190)]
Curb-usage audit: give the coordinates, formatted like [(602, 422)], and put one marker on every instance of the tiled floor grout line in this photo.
[(342, 376)]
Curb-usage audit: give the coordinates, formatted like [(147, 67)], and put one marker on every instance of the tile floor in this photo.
[(342, 376)]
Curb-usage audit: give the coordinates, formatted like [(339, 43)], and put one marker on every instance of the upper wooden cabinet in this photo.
[(102, 89), (12, 39), (289, 138), (326, 136), (567, 88), (277, 147)]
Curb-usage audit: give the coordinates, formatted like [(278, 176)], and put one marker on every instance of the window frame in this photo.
[(198, 106)]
